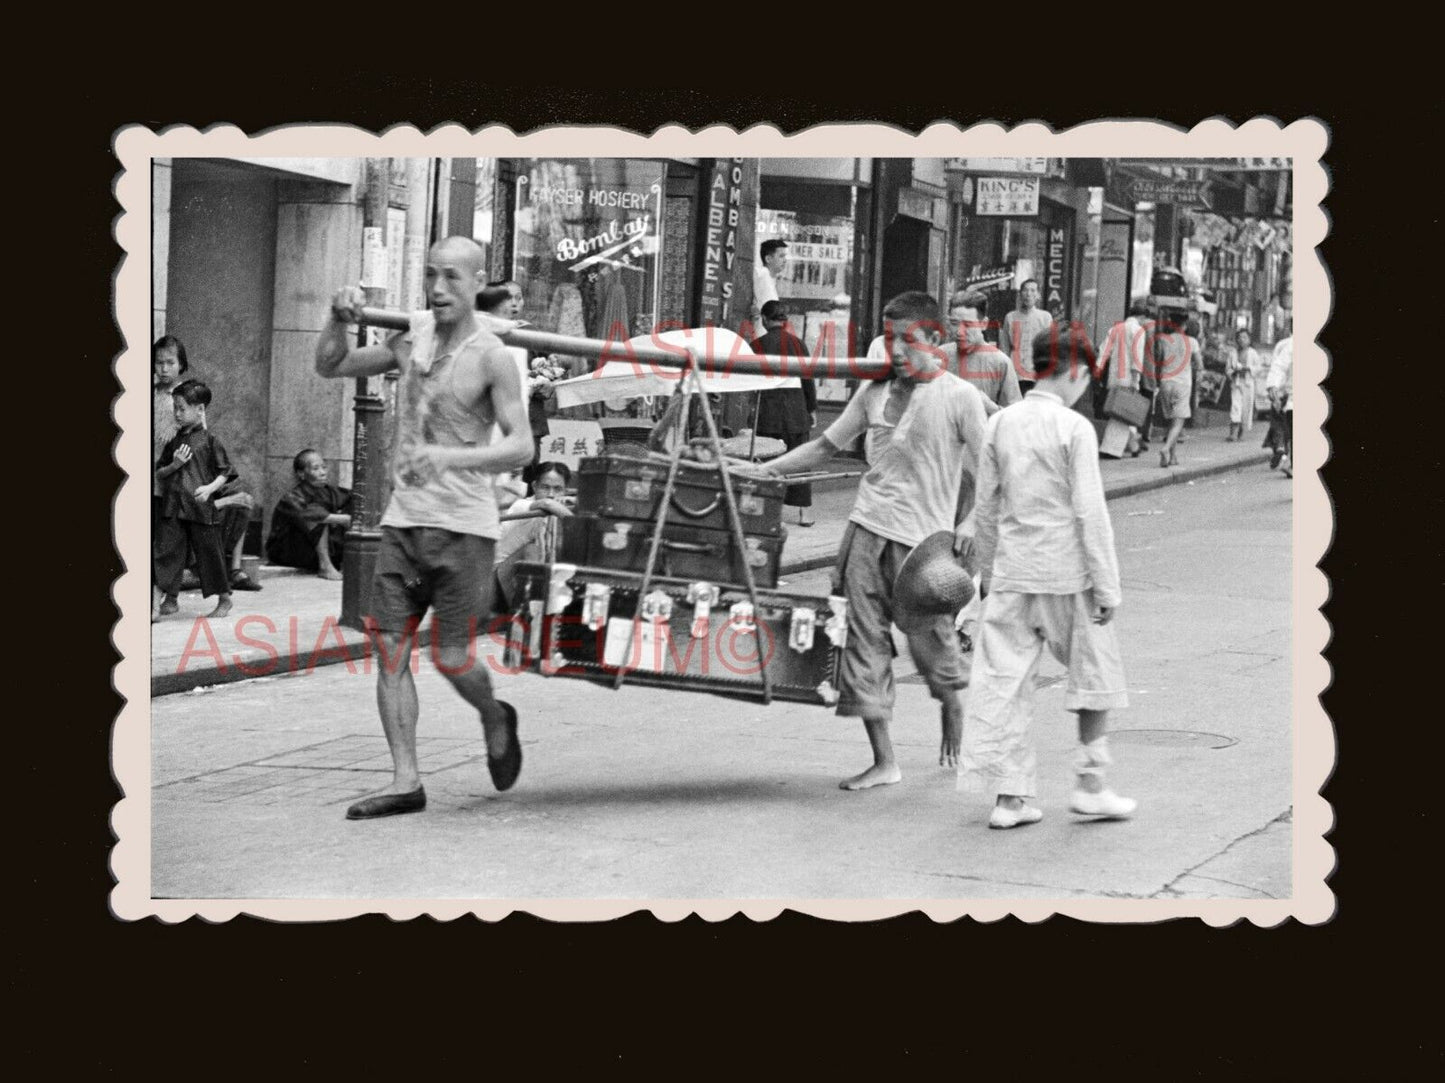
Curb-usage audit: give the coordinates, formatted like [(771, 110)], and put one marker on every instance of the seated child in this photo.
[(192, 468), (308, 527), (1045, 550)]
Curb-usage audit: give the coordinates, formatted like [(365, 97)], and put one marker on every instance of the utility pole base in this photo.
[(358, 564)]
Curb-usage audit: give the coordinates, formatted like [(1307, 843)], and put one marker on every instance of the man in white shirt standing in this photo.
[(1021, 327), (767, 273)]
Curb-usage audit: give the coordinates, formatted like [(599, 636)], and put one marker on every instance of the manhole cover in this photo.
[(1172, 738)]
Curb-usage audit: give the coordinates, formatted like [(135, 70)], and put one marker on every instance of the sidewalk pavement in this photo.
[(292, 625)]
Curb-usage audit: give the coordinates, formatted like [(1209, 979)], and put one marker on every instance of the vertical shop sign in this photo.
[(1054, 277), (720, 240)]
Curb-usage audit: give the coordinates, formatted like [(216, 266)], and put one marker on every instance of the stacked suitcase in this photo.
[(619, 498), (700, 630)]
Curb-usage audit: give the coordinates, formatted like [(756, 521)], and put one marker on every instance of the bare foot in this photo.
[(223, 607), (330, 574), (877, 775)]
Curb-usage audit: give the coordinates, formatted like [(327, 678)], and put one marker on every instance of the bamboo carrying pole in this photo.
[(722, 364)]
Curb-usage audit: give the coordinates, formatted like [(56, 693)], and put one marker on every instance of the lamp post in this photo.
[(358, 560)]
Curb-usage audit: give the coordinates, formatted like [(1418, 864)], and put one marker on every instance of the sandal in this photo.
[(242, 581)]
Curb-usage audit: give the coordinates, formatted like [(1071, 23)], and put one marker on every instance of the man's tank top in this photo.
[(429, 411)]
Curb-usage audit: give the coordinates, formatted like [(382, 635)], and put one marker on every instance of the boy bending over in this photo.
[(1046, 552)]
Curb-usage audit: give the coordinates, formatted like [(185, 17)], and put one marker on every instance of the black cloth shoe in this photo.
[(390, 804), (505, 768), (242, 581)]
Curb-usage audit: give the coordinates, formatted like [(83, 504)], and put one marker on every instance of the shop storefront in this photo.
[(822, 208), (1012, 220)]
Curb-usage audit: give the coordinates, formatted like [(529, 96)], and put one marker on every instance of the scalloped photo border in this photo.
[(1304, 140)]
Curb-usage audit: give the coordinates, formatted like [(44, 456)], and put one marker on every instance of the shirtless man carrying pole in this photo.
[(457, 383)]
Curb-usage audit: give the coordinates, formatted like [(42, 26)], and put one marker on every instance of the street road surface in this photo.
[(653, 794)]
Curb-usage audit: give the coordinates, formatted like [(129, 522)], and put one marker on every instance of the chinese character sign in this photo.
[(1007, 196), (571, 441)]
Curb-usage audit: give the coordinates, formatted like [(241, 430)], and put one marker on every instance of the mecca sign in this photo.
[(1006, 196)]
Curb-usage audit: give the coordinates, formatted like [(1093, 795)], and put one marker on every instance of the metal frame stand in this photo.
[(690, 384)]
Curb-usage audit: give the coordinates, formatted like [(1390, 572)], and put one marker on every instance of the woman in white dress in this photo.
[(1243, 362)]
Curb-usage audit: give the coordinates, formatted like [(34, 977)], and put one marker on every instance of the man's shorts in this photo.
[(867, 566), (1011, 636), (423, 567), (1174, 400)]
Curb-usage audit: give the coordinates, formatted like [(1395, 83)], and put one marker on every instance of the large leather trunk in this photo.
[(577, 621), (686, 552), (629, 487)]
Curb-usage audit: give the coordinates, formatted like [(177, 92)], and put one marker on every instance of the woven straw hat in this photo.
[(932, 583)]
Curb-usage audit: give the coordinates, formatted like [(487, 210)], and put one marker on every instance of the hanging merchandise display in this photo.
[(589, 229)]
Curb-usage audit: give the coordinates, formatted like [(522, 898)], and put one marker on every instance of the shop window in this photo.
[(587, 242), (818, 220)]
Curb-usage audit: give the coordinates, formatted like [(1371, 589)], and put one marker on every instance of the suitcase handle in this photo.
[(687, 547), (698, 513)]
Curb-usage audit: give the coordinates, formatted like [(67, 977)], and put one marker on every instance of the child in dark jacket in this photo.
[(193, 466)]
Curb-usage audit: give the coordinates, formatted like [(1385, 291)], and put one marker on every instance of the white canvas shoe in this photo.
[(1106, 804), (1014, 817)]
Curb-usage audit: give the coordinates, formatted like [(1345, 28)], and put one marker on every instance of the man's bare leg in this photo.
[(397, 704), (951, 718), (325, 569), (884, 771), (469, 677)]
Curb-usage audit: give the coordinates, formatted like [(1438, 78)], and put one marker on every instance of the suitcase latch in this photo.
[(703, 597), (800, 635), (754, 553), (740, 616), (657, 606), (837, 625), (638, 490), (595, 604), (559, 588), (616, 538), (750, 504)]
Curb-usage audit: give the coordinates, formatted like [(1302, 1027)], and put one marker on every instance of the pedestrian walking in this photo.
[(1243, 362), (457, 384), (989, 369), (973, 357), (1175, 350), (1021, 327), (787, 413), (1280, 388), (1050, 579), (920, 428)]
